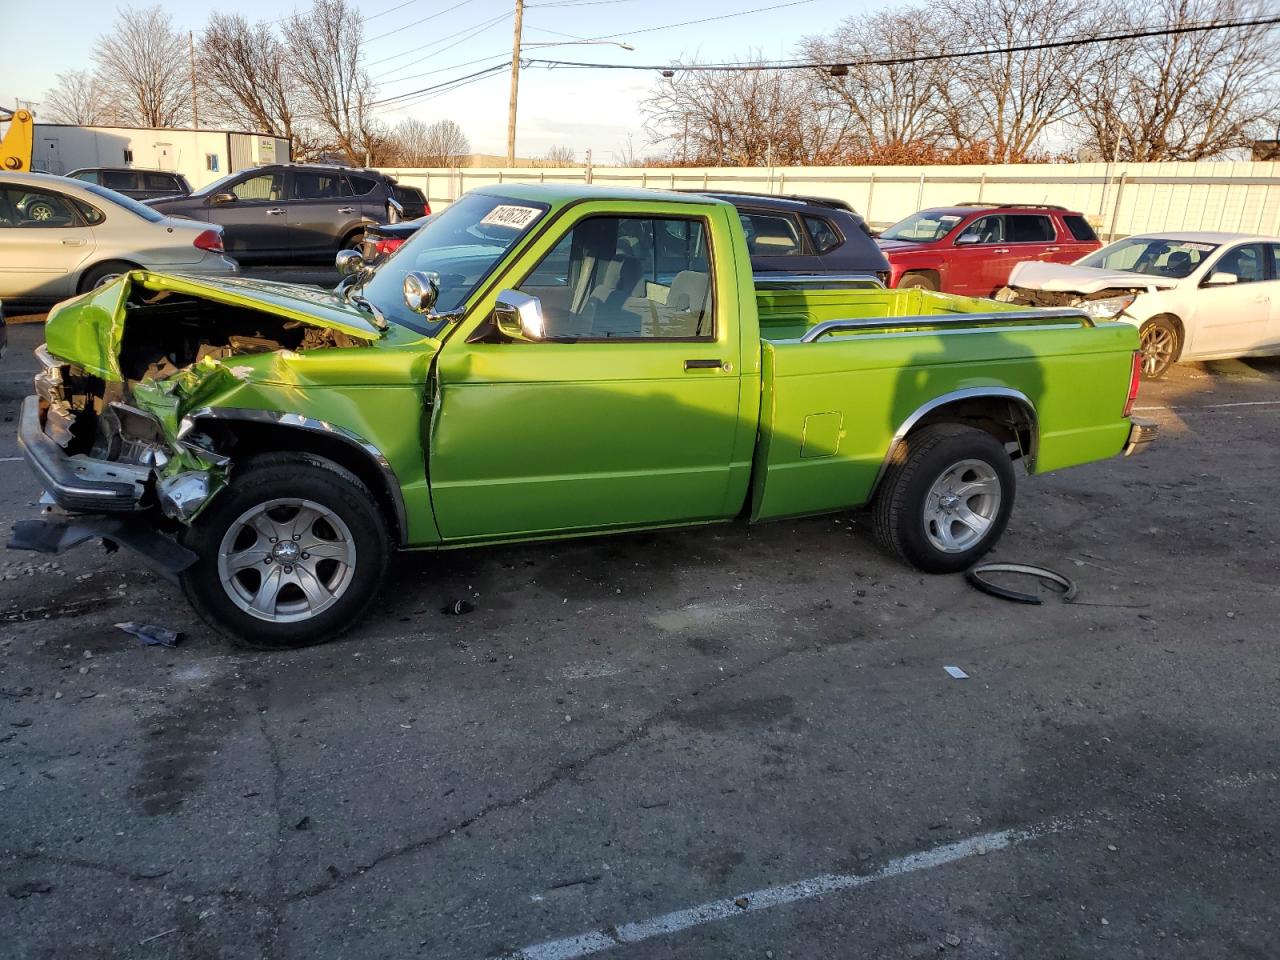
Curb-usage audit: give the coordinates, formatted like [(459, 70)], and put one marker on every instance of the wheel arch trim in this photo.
[(296, 421), (956, 396)]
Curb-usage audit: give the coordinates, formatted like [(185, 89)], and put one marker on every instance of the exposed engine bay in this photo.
[(173, 350)]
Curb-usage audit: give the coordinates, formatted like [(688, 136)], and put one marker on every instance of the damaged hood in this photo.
[(1067, 278), (87, 330)]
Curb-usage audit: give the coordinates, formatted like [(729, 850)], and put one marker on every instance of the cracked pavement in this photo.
[(636, 725)]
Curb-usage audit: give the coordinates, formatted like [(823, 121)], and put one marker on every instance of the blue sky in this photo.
[(581, 109)]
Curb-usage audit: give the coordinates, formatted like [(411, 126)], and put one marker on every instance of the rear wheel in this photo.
[(917, 281), (1161, 343), (290, 554), (104, 273), (353, 241), (947, 499)]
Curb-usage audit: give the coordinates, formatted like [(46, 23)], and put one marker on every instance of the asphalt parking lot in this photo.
[(726, 743)]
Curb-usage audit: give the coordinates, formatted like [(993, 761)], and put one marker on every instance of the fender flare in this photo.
[(955, 396), (296, 421)]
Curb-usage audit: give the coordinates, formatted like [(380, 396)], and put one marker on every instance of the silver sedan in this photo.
[(60, 237)]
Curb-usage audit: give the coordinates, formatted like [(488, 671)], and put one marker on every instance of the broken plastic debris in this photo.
[(956, 673), (459, 607), (150, 634)]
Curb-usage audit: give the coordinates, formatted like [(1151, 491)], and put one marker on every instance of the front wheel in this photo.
[(947, 498), (917, 281), (290, 554), (1161, 343)]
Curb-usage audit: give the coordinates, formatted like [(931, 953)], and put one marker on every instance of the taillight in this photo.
[(426, 208), (210, 240), (1135, 378), (385, 245)]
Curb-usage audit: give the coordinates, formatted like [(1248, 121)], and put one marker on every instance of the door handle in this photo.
[(346, 210), (1052, 249), (275, 212), (705, 365), (73, 243), (1000, 250)]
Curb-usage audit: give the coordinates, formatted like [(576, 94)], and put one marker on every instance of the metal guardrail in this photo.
[(941, 320)]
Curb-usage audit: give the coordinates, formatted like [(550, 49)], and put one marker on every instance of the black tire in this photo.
[(300, 477), (1160, 339), (899, 514), (103, 273), (40, 211), (917, 281), (353, 241)]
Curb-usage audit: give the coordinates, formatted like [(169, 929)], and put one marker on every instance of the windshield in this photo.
[(1150, 255), (120, 200), (923, 227), (462, 244)]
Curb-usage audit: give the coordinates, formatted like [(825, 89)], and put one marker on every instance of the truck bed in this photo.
[(840, 378)]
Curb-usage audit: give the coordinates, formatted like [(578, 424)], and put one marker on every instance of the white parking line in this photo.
[(11, 459), (596, 941), (1211, 406)]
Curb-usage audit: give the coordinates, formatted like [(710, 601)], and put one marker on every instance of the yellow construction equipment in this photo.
[(15, 148)]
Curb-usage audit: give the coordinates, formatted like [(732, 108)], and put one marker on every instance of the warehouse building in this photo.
[(201, 156)]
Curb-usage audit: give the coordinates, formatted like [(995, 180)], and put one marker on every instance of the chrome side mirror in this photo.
[(223, 198), (1220, 278), (965, 239), (421, 291), (349, 262), (519, 316)]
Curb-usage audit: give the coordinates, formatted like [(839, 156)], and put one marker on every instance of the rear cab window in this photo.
[(119, 180), (362, 185), (319, 186)]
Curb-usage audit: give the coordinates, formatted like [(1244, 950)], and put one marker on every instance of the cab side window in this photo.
[(24, 208), (824, 236), (319, 186), (1247, 263), (771, 234), (626, 278), (984, 230), (1028, 228), (266, 186)]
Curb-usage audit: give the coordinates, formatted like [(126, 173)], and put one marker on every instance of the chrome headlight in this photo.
[(1107, 309)]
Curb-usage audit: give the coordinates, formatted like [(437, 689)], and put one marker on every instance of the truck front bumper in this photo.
[(78, 483), (1141, 433)]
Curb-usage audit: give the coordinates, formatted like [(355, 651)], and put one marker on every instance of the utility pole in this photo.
[(515, 86), (191, 51)]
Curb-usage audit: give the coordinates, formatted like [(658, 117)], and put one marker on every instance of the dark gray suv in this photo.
[(291, 211)]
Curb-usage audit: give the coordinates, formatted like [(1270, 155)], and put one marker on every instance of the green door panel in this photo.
[(532, 439), (1076, 378)]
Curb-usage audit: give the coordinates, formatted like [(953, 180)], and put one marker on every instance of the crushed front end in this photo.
[(106, 430)]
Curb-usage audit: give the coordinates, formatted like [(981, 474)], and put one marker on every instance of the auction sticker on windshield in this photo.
[(511, 216)]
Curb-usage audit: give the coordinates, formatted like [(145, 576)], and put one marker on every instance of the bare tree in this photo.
[(142, 67), (415, 143), (895, 106), (1190, 96), (743, 118), (79, 97), (558, 156), (1008, 100), (246, 76), (324, 51)]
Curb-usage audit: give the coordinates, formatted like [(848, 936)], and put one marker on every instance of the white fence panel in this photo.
[(1119, 199)]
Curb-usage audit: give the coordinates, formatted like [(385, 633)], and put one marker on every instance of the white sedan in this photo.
[(1192, 296), (59, 237)]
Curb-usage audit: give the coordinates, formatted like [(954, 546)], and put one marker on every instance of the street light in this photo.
[(515, 73)]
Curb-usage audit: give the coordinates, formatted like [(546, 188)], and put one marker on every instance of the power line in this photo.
[(398, 6), (454, 66), (473, 31), (689, 23), (415, 23), (438, 86), (916, 58), (417, 50)]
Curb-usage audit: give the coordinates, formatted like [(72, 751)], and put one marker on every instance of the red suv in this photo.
[(971, 248)]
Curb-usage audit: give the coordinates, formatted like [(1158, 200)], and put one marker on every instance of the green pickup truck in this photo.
[(538, 363)]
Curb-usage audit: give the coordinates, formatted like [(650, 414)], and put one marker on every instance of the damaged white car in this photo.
[(1193, 296)]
